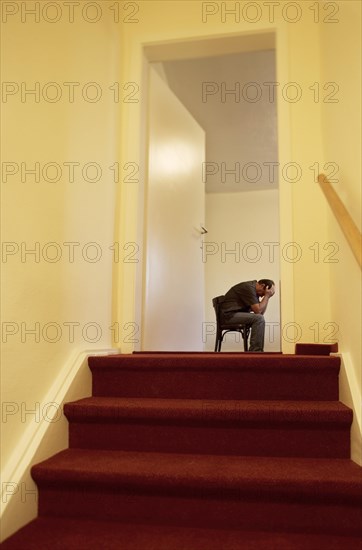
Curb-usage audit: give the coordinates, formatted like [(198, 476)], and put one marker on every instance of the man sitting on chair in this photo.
[(246, 303)]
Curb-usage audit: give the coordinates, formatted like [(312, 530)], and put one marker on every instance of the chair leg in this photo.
[(245, 338), (217, 341), (219, 338)]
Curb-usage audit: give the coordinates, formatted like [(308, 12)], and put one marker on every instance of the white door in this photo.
[(173, 294)]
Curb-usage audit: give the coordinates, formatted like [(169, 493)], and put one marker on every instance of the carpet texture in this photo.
[(315, 349), (69, 534), (202, 451)]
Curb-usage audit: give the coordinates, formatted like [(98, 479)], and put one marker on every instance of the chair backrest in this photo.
[(216, 303)]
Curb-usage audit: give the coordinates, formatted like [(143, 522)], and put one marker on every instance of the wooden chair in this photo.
[(223, 327)]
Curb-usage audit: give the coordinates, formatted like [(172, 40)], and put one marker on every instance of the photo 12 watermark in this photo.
[(69, 92), (36, 412), (70, 171), (70, 252), (253, 92), (268, 251), (292, 333), (271, 12), (28, 12), (266, 172), (52, 332), (22, 491)]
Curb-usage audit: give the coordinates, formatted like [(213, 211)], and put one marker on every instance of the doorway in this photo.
[(242, 185)]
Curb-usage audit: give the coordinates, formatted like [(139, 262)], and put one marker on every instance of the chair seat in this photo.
[(231, 324)]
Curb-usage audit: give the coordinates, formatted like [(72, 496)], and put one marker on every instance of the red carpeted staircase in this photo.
[(202, 452)]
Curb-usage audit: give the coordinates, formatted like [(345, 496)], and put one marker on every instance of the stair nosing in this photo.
[(118, 409), (193, 472), (201, 362)]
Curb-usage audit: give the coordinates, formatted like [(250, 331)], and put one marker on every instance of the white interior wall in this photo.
[(231, 99), (239, 248)]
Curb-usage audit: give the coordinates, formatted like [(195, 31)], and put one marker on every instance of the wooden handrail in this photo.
[(344, 219)]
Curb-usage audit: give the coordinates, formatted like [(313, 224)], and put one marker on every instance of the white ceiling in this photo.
[(241, 134)]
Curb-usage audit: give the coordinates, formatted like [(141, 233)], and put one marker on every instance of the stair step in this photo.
[(217, 376), (316, 495), (254, 445), (315, 349), (275, 428), (61, 534)]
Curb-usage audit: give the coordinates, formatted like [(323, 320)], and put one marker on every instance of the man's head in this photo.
[(262, 285)]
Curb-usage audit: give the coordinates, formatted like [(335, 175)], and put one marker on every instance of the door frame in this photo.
[(158, 51)]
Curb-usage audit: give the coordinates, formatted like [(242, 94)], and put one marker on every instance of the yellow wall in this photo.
[(311, 274), (341, 65), (340, 48), (48, 290)]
